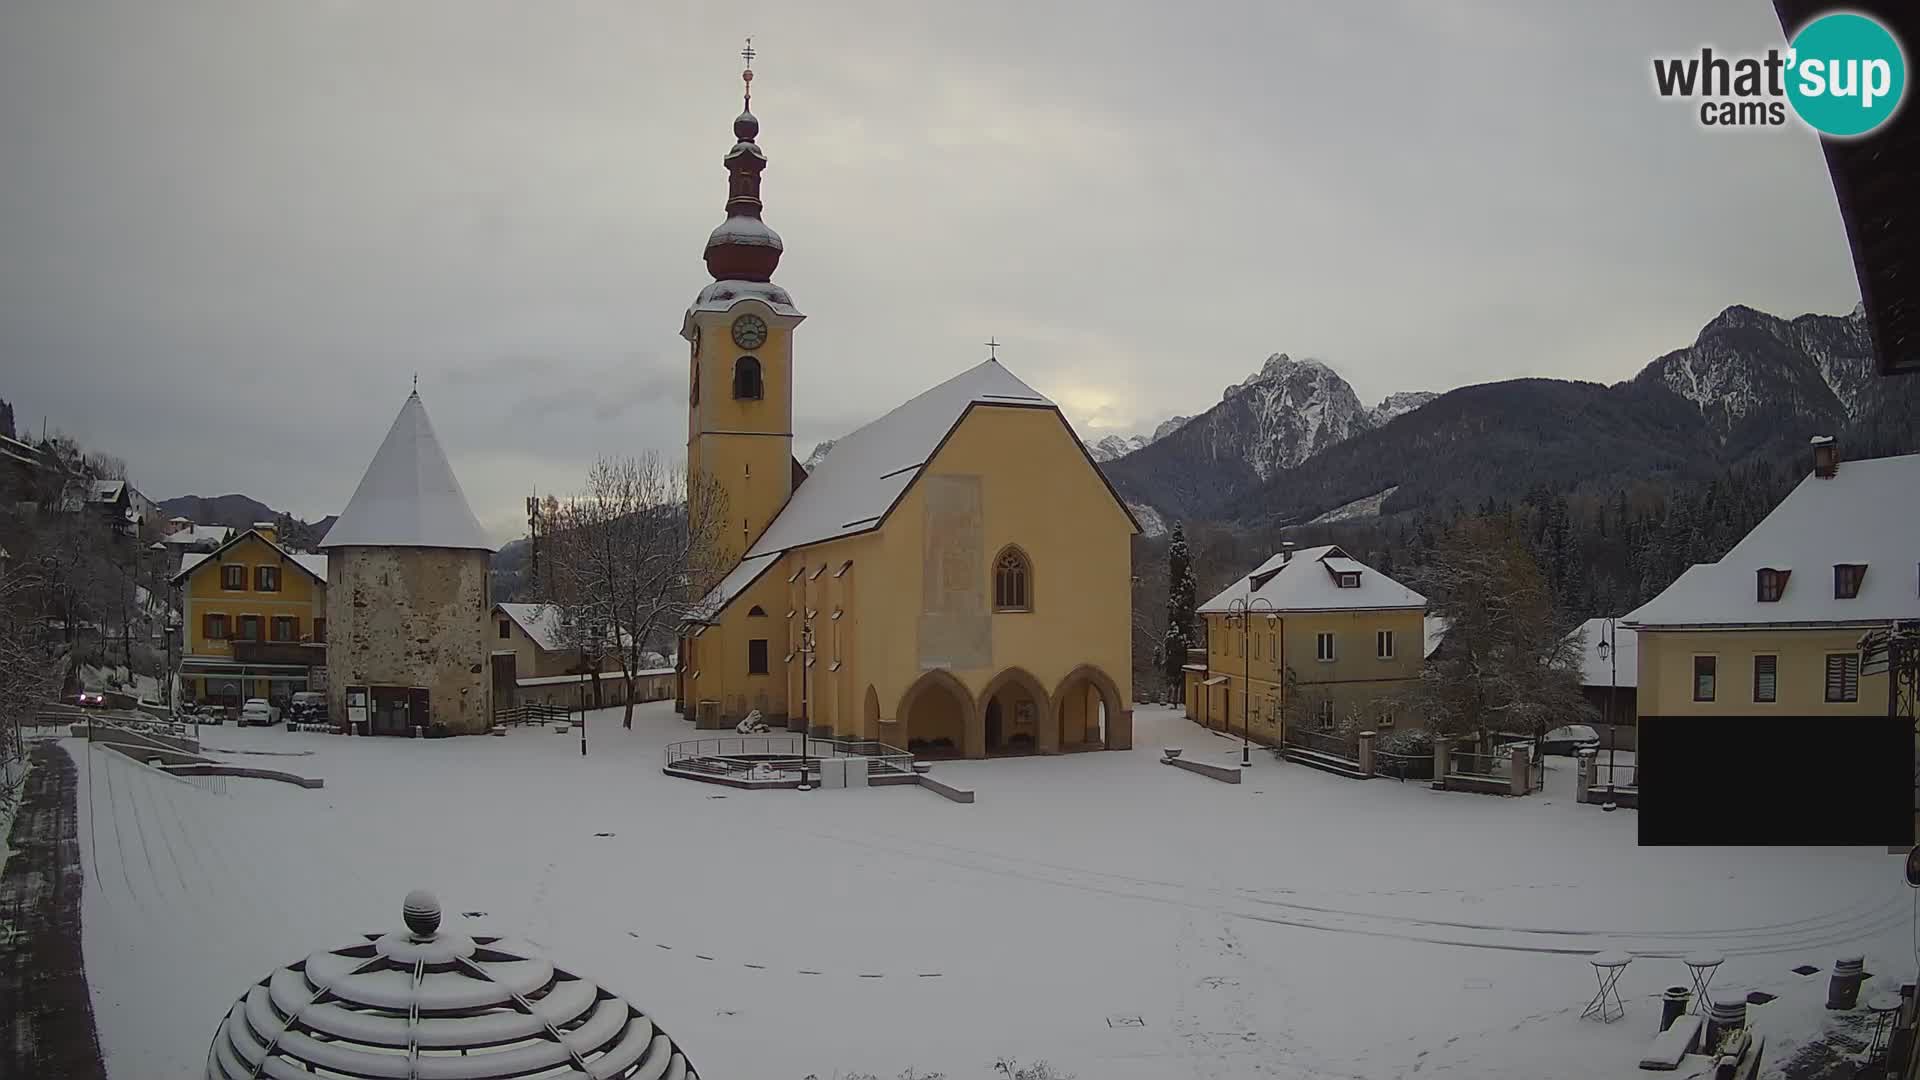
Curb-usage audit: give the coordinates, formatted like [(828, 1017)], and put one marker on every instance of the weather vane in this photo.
[(416, 382), (748, 54), (993, 348)]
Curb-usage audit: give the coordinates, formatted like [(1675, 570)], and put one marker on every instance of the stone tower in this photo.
[(407, 597), (740, 329)]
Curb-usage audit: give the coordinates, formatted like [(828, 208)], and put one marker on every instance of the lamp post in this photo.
[(1610, 652), (806, 718), (1240, 613)]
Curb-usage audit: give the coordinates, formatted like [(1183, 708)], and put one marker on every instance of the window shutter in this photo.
[(1766, 678)]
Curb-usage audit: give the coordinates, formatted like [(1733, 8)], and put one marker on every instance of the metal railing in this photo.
[(1622, 775), (532, 712), (1403, 766), (788, 753), (1331, 743), (1468, 763)]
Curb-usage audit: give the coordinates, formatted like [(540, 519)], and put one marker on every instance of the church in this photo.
[(953, 579)]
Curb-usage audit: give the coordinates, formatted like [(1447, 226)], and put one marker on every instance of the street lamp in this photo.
[(1610, 652), (1240, 613), (806, 719)]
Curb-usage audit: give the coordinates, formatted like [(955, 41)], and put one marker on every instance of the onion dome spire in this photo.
[(743, 248)]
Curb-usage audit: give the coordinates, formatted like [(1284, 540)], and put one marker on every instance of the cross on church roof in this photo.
[(748, 54), (993, 348)]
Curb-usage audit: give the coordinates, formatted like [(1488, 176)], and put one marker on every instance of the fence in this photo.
[(1331, 743), (532, 712), (1621, 775), (1403, 766), (788, 753)]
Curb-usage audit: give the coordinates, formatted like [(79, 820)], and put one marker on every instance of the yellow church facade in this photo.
[(952, 579)]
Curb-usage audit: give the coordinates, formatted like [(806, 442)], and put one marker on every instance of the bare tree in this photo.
[(30, 661), (1507, 665), (627, 560)]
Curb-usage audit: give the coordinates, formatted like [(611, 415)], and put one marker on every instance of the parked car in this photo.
[(257, 712), (88, 699), (307, 707), (1571, 740)]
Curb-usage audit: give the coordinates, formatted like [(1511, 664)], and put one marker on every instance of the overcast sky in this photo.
[(232, 230)]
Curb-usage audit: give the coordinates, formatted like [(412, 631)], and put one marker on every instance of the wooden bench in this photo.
[(1671, 1045)]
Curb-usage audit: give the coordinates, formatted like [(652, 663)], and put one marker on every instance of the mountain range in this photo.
[(1293, 445), (241, 512)]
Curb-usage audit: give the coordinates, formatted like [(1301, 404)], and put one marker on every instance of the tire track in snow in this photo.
[(143, 807), (1412, 929), (113, 814)]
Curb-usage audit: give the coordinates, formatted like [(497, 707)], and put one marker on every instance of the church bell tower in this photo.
[(740, 333)]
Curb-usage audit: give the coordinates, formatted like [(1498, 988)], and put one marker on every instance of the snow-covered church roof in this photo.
[(409, 496), (853, 488), (1864, 514), (430, 1002)]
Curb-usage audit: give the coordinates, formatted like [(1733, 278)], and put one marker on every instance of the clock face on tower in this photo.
[(749, 332)]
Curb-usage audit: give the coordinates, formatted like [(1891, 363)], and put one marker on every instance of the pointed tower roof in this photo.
[(409, 496)]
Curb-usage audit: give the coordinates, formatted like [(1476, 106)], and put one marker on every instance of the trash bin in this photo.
[(1673, 1005)]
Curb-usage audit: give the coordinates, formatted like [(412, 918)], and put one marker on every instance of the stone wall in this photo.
[(413, 617)]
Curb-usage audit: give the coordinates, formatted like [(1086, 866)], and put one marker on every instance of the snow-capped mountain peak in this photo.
[(1399, 405)]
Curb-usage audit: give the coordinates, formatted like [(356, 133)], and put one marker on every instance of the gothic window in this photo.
[(746, 379), (1012, 581)]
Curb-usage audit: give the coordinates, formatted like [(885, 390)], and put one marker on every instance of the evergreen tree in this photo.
[(1181, 600)]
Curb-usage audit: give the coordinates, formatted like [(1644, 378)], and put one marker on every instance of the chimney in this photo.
[(1826, 456), (268, 530), (1286, 553)]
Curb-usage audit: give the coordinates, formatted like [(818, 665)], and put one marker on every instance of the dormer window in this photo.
[(1771, 584), (1847, 578), (1348, 581)]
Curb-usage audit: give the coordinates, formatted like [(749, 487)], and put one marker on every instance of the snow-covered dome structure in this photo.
[(426, 1002)]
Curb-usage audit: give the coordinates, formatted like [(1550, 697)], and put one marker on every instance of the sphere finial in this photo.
[(422, 913)]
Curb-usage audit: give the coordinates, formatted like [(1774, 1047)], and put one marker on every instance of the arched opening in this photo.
[(870, 715), (1012, 580), (756, 612), (933, 716), (1015, 718), (746, 379), (1087, 706)]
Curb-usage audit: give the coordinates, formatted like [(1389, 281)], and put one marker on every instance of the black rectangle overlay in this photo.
[(1777, 781)]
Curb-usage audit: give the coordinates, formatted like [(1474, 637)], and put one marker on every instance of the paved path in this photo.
[(46, 1015)]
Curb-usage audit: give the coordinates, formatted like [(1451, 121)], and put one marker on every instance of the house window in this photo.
[(233, 578), (506, 629), (1846, 580), (1704, 668), (1771, 584), (1389, 712), (1323, 647), (756, 612), (1273, 646), (1012, 581), (746, 379), (1766, 678), (757, 656), (1383, 644), (1349, 581), (249, 628), (1843, 677), (320, 629), (214, 627), (266, 579), (284, 628), (1323, 714), (1256, 646)]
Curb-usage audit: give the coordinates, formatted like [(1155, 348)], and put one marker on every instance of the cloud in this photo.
[(231, 234)]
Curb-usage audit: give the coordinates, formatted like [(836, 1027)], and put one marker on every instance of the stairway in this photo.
[(1314, 759)]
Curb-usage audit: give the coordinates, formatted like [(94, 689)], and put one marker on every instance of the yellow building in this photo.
[(255, 619), (533, 663), (1316, 636), (954, 578), (1774, 627)]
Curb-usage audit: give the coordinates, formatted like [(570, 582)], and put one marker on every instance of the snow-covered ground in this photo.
[(1118, 918)]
